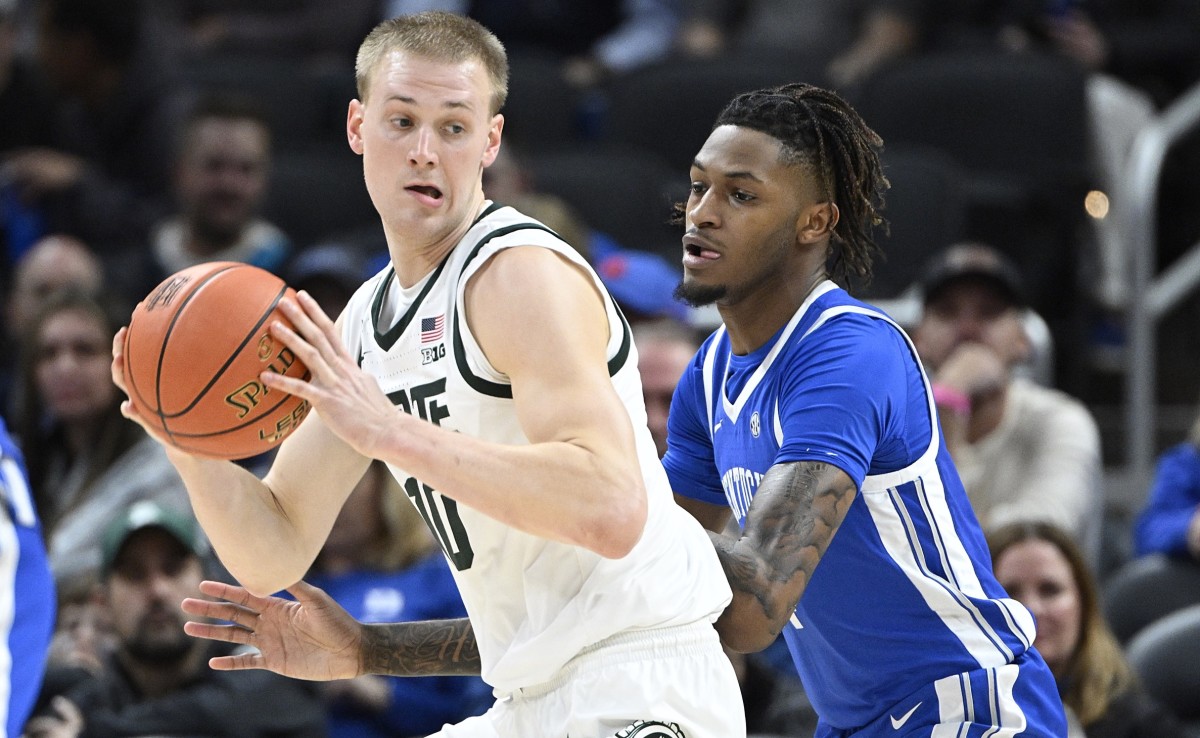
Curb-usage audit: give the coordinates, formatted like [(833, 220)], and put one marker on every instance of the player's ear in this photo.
[(495, 131), (354, 121), (817, 221)]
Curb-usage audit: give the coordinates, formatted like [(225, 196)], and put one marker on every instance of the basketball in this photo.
[(194, 351)]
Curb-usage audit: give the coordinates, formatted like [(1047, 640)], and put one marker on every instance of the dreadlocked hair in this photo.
[(819, 129)]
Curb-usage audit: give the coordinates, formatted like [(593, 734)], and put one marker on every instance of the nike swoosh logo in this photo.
[(898, 724)]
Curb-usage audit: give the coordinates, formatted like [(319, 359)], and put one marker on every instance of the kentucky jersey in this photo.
[(536, 603), (902, 610), (26, 593)]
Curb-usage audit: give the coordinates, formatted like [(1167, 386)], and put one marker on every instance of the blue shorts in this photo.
[(1018, 699)]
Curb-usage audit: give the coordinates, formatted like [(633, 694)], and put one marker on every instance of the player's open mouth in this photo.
[(426, 190), (692, 249)]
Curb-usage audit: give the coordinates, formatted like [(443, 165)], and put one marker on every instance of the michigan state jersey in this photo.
[(902, 616), (536, 602)]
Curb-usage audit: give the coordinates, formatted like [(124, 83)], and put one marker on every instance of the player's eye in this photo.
[(743, 196)]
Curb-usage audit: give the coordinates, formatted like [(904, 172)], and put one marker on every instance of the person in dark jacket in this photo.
[(157, 682)]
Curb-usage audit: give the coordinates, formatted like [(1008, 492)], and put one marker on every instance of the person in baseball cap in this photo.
[(973, 262), (148, 514), (156, 679), (1024, 451)]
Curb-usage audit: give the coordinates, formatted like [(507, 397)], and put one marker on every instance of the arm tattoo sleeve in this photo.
[(423, 648), (791, 523)]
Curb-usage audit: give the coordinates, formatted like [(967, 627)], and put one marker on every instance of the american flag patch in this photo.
[(432, 328)]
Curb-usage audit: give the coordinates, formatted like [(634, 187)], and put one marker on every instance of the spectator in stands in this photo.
[(158, 681), (382, 565), (56, 262), (665, 348), (86, 461), (1041, 566), (27, 591), (1170, 521), (1024, 451), (837, 41), (82, 642), (220, 180), (103, 174)]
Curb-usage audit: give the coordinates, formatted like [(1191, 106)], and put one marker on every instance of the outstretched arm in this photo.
[(795, 514), (313, 638)]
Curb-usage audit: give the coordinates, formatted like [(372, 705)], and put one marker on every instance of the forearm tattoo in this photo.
[(424, 648), (791, 523)]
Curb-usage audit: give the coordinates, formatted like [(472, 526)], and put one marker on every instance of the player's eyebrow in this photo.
[(735, 174), (464, 104)]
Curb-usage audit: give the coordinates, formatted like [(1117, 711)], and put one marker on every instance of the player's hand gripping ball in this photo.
[(193, 355)]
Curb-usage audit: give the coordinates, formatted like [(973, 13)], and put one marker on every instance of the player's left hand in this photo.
[(311, 637), (348, 399)]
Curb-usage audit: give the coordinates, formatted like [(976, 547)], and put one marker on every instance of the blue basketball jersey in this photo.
[(902, 609), (26, 593)]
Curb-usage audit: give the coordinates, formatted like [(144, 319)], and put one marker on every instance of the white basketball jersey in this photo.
[(534, 603)]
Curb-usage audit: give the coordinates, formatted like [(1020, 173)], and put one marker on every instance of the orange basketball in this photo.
[(193, 355)]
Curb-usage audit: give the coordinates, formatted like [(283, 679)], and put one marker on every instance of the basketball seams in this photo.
[(162, 349), (181, 356), (237, 352)]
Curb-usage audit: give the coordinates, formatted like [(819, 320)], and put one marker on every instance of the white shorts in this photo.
[(665, 683)]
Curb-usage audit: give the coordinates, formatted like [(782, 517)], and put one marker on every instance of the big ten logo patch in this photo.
[(165, 293), (278, 358)]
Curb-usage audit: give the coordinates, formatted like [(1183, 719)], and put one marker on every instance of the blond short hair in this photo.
[(439, 36)]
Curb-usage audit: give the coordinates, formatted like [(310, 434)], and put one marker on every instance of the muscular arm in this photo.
[(540, 321), (428, 648), (266, 532), (795, 514)]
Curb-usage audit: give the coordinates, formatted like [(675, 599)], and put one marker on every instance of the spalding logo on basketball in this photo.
[(194, 352)]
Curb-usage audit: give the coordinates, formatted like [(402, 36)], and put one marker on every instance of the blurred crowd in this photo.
[(139, 138)]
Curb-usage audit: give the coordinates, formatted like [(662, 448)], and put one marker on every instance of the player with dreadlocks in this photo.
[(807, 415)]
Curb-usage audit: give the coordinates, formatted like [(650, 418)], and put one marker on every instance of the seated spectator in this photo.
[(27, 592), (1170, 521), (1041, 566), (1024, 451), (86, 460), (220, 179), (382, 565), (665, 348), (55, 262), (158, 682), (83, 640), (102, 175)]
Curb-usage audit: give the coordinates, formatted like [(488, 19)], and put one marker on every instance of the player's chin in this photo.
[(697, 294)]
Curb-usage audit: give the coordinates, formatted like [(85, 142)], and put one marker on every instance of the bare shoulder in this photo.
[(526, 301)]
